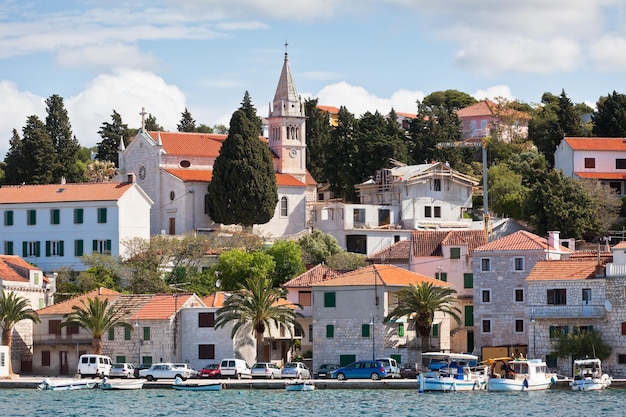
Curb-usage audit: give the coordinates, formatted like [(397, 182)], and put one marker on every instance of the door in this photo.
[(586, 302), (63, 364)]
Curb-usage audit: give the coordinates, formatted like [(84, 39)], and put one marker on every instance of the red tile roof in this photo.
[(329, 109), (287, 180), (187, 144), (520, 240), (215, 300), (52, 193), (191, 175), (407, 115), (482, 108), (318, 273), (162, 306), (620, 245), (563, 270), (602, 175), (14, 268), (398, 251), (65, 307), (429, 242), (377, 274), (597, 144)]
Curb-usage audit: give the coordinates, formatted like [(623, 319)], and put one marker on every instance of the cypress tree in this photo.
[(66, 145), (15, 161), (37, 145), (187, 123), (243, 188), (317, 139), (111, 134), (250, 111)]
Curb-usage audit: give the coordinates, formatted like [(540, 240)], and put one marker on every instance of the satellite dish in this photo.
[(608, 306)]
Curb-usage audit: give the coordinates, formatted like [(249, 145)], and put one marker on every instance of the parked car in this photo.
[(164, 370), (391, 366), (94, 365), (122, 370), (234, 367), (409, 370), (140, 367), (295, 370), (211, 370), (185, 366), (361, 369), (265, 370), (325, 370)]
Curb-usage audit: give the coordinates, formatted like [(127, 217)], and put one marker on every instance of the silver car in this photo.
[(295, 370), (122, 370), (265, 370), (164, 370)]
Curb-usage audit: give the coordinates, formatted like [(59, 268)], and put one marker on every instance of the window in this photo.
[(617, 186), (31, 217), (330, 331), (620, 163), (554, 330), (304, 298), (78, 248), (485, 264), (519, 326), (126, 334), (329, 299), (146, 333), (427, 211), (206, 319), (624, 328), (120, 359), (518, 264), (486, 326), (518, 295), (486, 296), (55, 216), (621, 359), (401, 329), (112, 333), (365, 330), (72, 329), (45, 358), (102, 246), (54, 327), (102, 215), (468, 280), (283, 207), (557, 297), (455, 253), (435, 330), (8, 218), (586, 296), (437, 184), (8, 248), (54, 248), (310, 332), (442, 276), (31, 249), (358, 216), (206, 351), (590, 162), (78, 216), (469, 316), (437, 211), (384, 217)]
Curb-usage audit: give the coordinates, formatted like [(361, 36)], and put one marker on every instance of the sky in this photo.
[(366, 55)]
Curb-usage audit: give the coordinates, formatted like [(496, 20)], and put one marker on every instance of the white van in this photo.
[(94, 365), (391, 366), (235, 367)]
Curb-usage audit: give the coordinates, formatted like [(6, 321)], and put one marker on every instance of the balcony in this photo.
[(51, 339), (594, 311)]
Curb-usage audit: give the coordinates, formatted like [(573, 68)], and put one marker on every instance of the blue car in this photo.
[(361, 369)]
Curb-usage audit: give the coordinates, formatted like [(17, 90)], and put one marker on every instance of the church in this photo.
[(175, 168)]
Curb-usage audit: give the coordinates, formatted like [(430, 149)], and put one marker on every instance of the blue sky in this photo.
[(367, 55)]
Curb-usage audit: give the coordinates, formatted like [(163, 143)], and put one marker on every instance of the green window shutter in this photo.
[(436, 330), (61, 251), (468, 280), (330, 331), (31, 217), (55, 216), (95, 245), (112, 333), (24, 249), (469, 315), (8, 218), (146, 333), (401, 329), (329, 299), (38, 249), (455, 253), (126, 333), (551, 332), (78, 216), (8, 248), (365, 330), (442, 276), (109, 245), (102, 215), (590, 328), (47, 248), (78, 248), (120, 359)]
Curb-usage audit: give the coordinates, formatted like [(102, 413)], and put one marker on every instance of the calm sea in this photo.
[(320, 403)]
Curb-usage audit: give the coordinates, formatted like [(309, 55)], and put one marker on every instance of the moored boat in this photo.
[(180, 386), (451, 372), (65, 384), (107, 384), (588, 375), (300, 385), (509, 374)]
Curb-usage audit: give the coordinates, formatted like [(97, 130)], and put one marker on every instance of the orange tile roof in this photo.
[(162, 306), (592, 255), (65, 307), (329, 109), (14, 268), (482, 108), (318, 273), (191, 175), (52, 193), (407, 115), (563, 270), (429, 242), (215, 300), (377, 274), (597, 144), (602, 175), (287, 180), (186, 144), (520, 240), (399, 250), (620, 245)]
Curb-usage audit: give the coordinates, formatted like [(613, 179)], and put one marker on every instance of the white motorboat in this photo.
[(300, 385), (509, 374), (181, 386), (65, 384), (107, 384), (451, 372), (588, 375)]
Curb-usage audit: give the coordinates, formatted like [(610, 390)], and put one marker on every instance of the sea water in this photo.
[(319, 403)]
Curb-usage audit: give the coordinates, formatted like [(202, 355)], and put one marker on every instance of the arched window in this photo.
[(283, 207)]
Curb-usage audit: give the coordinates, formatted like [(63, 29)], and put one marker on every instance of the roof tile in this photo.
[(52, 193), (379, 274), (318, 273), (429, 242), (596, 144), (563, 270)]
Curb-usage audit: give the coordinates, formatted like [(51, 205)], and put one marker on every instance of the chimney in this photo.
[(131, 178), (553, 240)]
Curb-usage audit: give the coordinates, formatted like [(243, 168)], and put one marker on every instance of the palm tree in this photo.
[(97, 317), (256, 303), (14, 309), (420, 303)]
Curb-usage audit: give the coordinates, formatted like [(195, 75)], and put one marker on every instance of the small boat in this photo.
[(106, 384), (179, 385), (509, 374), (588, 375), (451, 372), (65, 384), (300, 385)]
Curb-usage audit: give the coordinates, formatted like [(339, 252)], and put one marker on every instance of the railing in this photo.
[(51, 339), (567, 311)]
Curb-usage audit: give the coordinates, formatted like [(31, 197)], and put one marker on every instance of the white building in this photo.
[(53, 225)]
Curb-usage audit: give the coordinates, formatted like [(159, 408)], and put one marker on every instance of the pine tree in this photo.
[(65, 144), (317, 139), (15, 161), (340, 171), (152, 125), (112, 134), (243, 188), (250, 111), (609, 120), (37, 146), (187, 123)]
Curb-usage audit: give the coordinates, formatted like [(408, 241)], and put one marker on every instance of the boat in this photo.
[(66, 384), (106, 384), (588, 375), (300, 385), (518, 374), (451, 372), (179, 385)]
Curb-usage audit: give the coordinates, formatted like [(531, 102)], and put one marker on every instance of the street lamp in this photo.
[(373, 337), (138, 343)]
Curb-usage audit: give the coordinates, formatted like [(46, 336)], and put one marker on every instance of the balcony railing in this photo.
[(567, 311), (51, 339)]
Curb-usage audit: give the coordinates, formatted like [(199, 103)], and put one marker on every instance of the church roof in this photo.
[(187, 144), (191, 175), (286, 89), (54, 193)]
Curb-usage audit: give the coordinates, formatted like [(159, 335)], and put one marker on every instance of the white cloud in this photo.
[(609, 53), (105, 56), (494, 92), (15, 107)]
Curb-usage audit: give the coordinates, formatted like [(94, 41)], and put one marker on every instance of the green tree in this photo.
[(236, 266), (449, 99), (152, 125), (112, 134), (317, 140), (606, 203), (287, 256), (580, 344), (419, 303), (65, 144), (397, 135), (243, 188), (318, 247), (103, 271), (221, 129), (609, 120), (14, 309), (100, 171), (187, 123), (37, 146), (506, 192), (256, 304), (202, 128), (15, 161), (346, 261), (248, 108), (340, 170)]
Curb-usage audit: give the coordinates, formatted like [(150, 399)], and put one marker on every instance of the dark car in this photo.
[(211, 370), (325, 370), (139, 368), (408, 370)]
